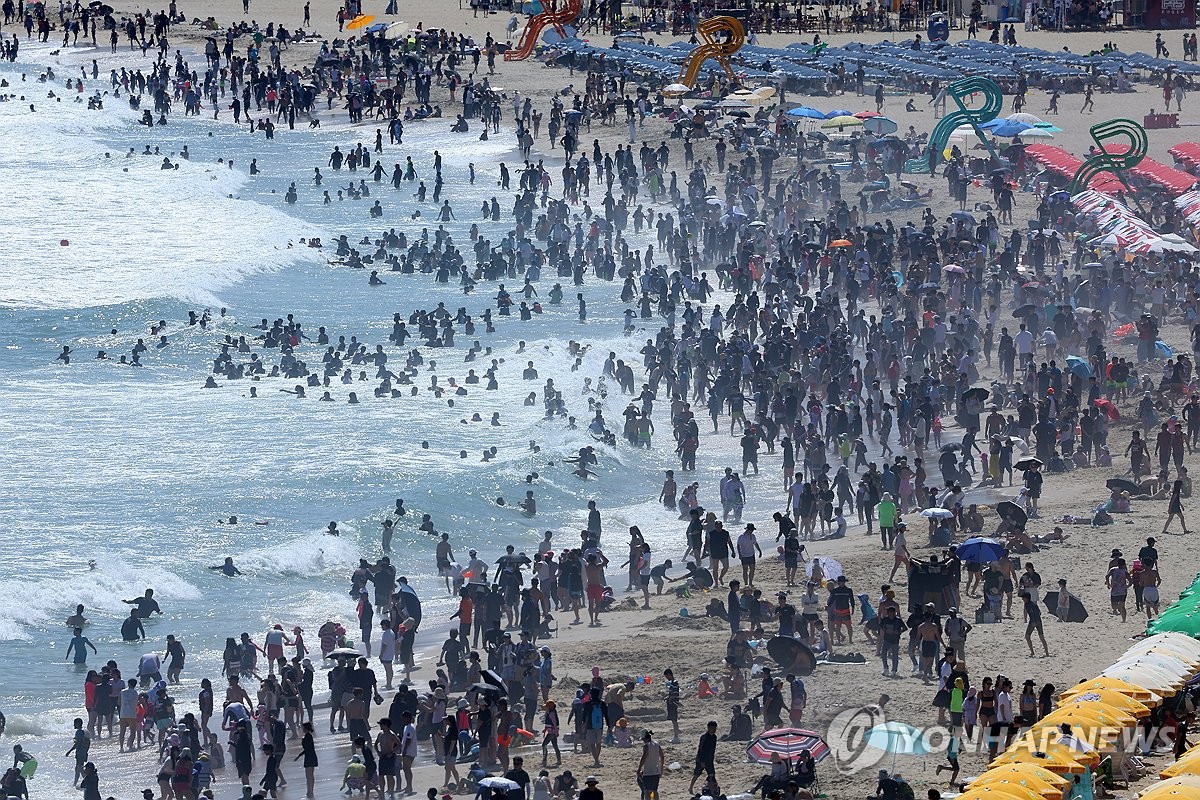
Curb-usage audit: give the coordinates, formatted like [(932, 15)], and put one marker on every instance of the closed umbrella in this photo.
[(1139, 693), (980, 550), (788, 744)]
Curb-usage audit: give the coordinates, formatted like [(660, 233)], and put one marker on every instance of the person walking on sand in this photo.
[(594, 579), (1175, 507), (650, 767), (1150, 580), (1117, 581), (1033, 620), (706, 755)]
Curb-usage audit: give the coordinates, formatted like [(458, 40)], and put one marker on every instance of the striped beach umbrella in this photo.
[(787, 743)]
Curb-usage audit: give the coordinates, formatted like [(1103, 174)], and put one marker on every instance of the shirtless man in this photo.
[(930, 638), (593, 578), (1150, 581)]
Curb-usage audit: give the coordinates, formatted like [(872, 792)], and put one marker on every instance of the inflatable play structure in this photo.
[(1113, 159), (960, 92), (720, 38), (551, 16)]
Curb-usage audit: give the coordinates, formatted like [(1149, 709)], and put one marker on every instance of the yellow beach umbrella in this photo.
[(361, 21), (1136, 691), (1044, 790), (1049, 754), (1186, 765), (1001, 791), (1089, 714), (1042, 780), (1111, 698), (1172, 789), (1179, 782), (842, 122)]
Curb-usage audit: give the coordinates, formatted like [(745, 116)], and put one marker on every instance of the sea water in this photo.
[(115, 477)]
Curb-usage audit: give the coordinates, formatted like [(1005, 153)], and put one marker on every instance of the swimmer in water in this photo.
[(77, 620), (528, 506), (332, 530), (227, 568)]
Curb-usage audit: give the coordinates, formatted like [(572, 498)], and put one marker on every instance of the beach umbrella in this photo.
[(786, 743), (1011, 512), (361, 21), (1102, 683), (841, 243), (1051, 755), (1175, 665), (977, 394), (1111, 699), (965, 216), (1004, 790), (830, 568), (1024, 117), (732, 103), (954, 269), (818, 136), (1183, 787), (838, 112), (805, 112), (880, 126), (898, 739), (344, 652), (865, 115), (1028, 462), (1008, 129), (1029, 775), (842, 122), (1089, 715), (1079, 366), (1029, 309), (1036, 133), (497, 782), (1075, 613), (1122, 485), (1147, 675), (980, 550), (675, 89), (937, 513), (792, 655), (1184, 645), (1188, 764)]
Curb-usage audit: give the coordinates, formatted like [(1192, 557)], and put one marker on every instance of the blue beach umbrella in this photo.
[(898, 739), (806, 112), (1079, 366), (980, 550), (838, 112), (1010, 129)]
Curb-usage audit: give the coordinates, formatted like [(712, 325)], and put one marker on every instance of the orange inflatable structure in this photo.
[(555, 17), (720, 38)]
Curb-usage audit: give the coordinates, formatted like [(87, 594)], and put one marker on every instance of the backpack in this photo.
[(597, 718)]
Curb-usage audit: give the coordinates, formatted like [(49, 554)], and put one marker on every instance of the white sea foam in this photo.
[(135, 231)]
